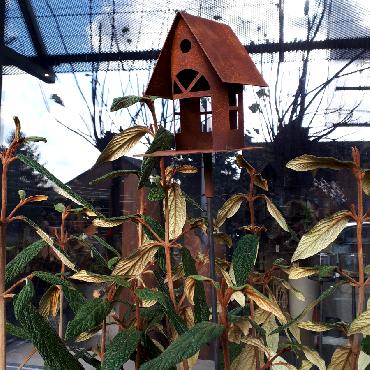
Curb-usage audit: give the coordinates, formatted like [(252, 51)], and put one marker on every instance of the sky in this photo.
[(67, 155)]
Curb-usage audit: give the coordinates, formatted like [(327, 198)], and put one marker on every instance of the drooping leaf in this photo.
[(185, 346), (229, 208), (244, 258), (124, 102), (106, 245), (162, 298), (177, 210), (363, 361), (297, 293), (321, 235), (272, 340), (136, 263), (112, 221), (314, 357), (43, 336), (308, 162), (340, 359), (245, 360), (113, 175), (296, 272), (264, 302), (361, 324), (59, 187), (49, 302), (162, 141), (90, 315), (366, 183), (119, 350), (201, 310), (45, 237), (276, 214), (258, 179), (317, 327), (90, 277), (18, 264), (306, 365), (172, 170), (16, 331), (122, 143)]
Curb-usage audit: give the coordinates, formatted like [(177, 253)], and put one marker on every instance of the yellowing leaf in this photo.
[(272, 340), (308, 162), (298, 294), (341, 359), (296, 272), (321, 235), (276, 214), (239, 297), (122, 143), (86, 336), (35, 198), (264, 303), (246, 360), (314, 326), (314, 357), (186, 168), (306, 365), (136, 263), (189, 287), (229, 208), (177, 210), (361, 324), (258, 179), (260, 315), (363, 361), (366, 183), (49, 303)]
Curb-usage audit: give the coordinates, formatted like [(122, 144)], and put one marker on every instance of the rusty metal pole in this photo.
[(209, 192)]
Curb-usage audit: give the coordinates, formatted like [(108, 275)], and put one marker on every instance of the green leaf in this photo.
[(113, 262), (106, 245), (156, 194), (22, 194), (365, 344), (90, 315), (244, 258), (119, 350), (124, 102), (60, 188), (308, 162), (112, 175), (59, 207), (201, 310), (18, 264), (74, 297), (122, 143), (185, 346), (162, 141), (16, 331), (43, 336), (154, 295), (155, 226), (321, 235)]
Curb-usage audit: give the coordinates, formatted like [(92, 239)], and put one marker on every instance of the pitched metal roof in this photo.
[(228, 57)]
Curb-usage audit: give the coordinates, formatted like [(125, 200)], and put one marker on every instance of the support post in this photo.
[(209, 192)]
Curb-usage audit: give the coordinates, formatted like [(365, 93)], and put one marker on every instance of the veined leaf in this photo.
[(156, 194), (177, 210), (49, 302), (244, 258), (126, 101), (246, 359), (106, 245), (363, 361), (42, 234), (272, 340), (113, 175), (201, 310), (122, 143), (308, 162), (317, 327), (296, 272), (17, 265), (366, 183), (172, 170), (120, 349), (35, 198), (43, 336), (136, 263), (59, 186), (264, 302), (306, 365), (160, 297), (321, 235), (90, 315), (185, 346), (90, 277), (276, 214), (258, 179), (341, 359), (16, 331), (229, 208), (155, 226), (361, 324), (112, 221), (298, 294), (314, 357)]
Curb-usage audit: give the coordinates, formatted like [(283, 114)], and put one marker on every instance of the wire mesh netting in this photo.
[(94, 27)]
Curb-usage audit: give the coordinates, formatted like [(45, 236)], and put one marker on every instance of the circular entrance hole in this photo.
[(185, 45)]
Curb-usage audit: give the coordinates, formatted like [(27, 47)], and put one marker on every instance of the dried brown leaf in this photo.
[(308, 162), (341, 359), (49, 302)]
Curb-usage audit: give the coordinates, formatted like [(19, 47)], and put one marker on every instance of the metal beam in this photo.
[(276, 47), (35, 34), (32, 67)]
